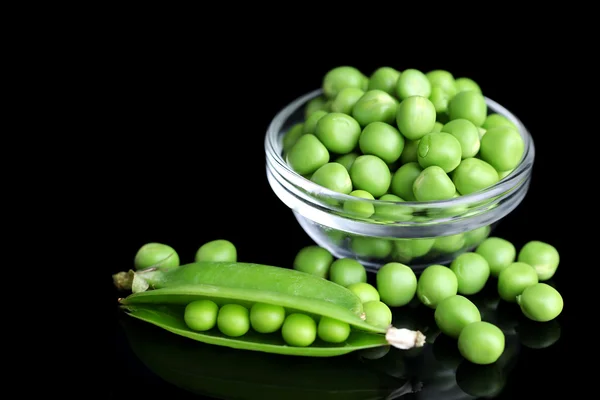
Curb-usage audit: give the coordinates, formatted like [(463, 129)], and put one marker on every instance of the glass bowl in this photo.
[(417, 234)]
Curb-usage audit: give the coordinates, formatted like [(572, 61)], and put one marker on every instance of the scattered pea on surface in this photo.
[(201, 315), (377, 313), (299, 330), (314, 260), (266, 318), (498, 252), (481, 343), (436, 283), (347, 271), (472, 272), (396, 284), (217, 250), (156, 255), (365, 291), (543, 257), (541, 302), (514, 279), (454, 313)]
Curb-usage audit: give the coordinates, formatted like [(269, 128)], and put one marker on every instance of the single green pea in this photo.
[(481, 343), (347, 160), (433, 184), (313, 260), (310, 124), (377, 314), (370, 247), (468, 105), (409, 154), (540, 302), (384, 78), (345, 100), (233, 320), (514, 279), (365, 291), (291, 136), (313, 105), (347, 271), (338, 132), (217, 250), (307, 155), (476, 236), (415, 117), (412, 82), (403, 180), (502, 147), (494, 119), (409, 249), (473, 175), (467, 134), (201, 315), (333, 331), (441, 149), (443, 79), (393, 212), (543, 257), (466, 84), (299, 330), (266, 318), (437, 127), (155, 255), (340, 78), (396, 284), (333, 176), (472, 272), (381, 140), (372, 174), (375, 105), (498, 252), (440, 99), (436, 283), (454, 313), (359, 208), (449, 244)]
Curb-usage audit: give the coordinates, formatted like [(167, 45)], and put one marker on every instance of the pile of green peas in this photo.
[(401, 136)]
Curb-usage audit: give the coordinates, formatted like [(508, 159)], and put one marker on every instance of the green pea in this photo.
[(409, 249), (347, 160), (454, 313), (310, 124), (155, 255), (365, 291), (396, 284), (473, 175), (436, 283), (472, 272), (333, 176), (403, 180), (481, 343), (393, 212), (412, 82), (338, 132), (540, 302), (441, 149), (466, 84), (217, 250), (543, 257), (201, 315), (415, 117), (381, 140), (233, 320), (358, 208), (340, 78), (498, 252), (313, 260), (468, 105), (440, 98), (291, 136), (494, 119), (514, 279), (449, 244), (502, 147), (504, 174), (314, 105), (476, 236), (347, 271), (375, 105), (299, 330), (377, 314), (433, 184), (333, 331), (307, 155), (266, 318), (437, 127), (372, 174), (466, 133), (443, 79), (371, 247), (384, 78), (345, 100)]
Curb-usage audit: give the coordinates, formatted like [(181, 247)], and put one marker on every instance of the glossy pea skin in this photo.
[(310, 124), (347, 160), (437, 127), (442, 79), (338, 132), (396, 284), (392, 211), (233, 320), (498, 252), (466, 84), (504, 174), (371, 247), (409, 153), (365, 291), (291, 136), (307, 155), (415, 117), (474, 175), (543, 257), (377, 313), (372, 174), (472, 272), (375, 106), (333, 331), (454, 313), (502, 147), (481, 343), (433, 184), (201, 315), (381, 140), (359, 208), (541, 302), (384, 78), (441, 149), (345, 100), (217, 250), (316, 104), (436, 283), (440, 99), (333, 176), (313, 260), (514, 279), (347, 271), (266, 318), (155, 255), (467, 135), (468, 105), (404, 179), (493, 120), (340, 78), (412, 82), (299, 330)]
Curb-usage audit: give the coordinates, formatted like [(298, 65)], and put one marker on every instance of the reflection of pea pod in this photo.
[(236, 374)]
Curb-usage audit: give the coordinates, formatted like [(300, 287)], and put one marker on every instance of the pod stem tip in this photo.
[(404, 339), (123, 280)]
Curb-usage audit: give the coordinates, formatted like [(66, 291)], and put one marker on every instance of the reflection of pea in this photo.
[(538, 335), (371, 247), (476, 236), (408, 249), (335, 236), (509, 357), (449, 244), (392, 363), (480, 380), (375, 353), (446, 352)]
